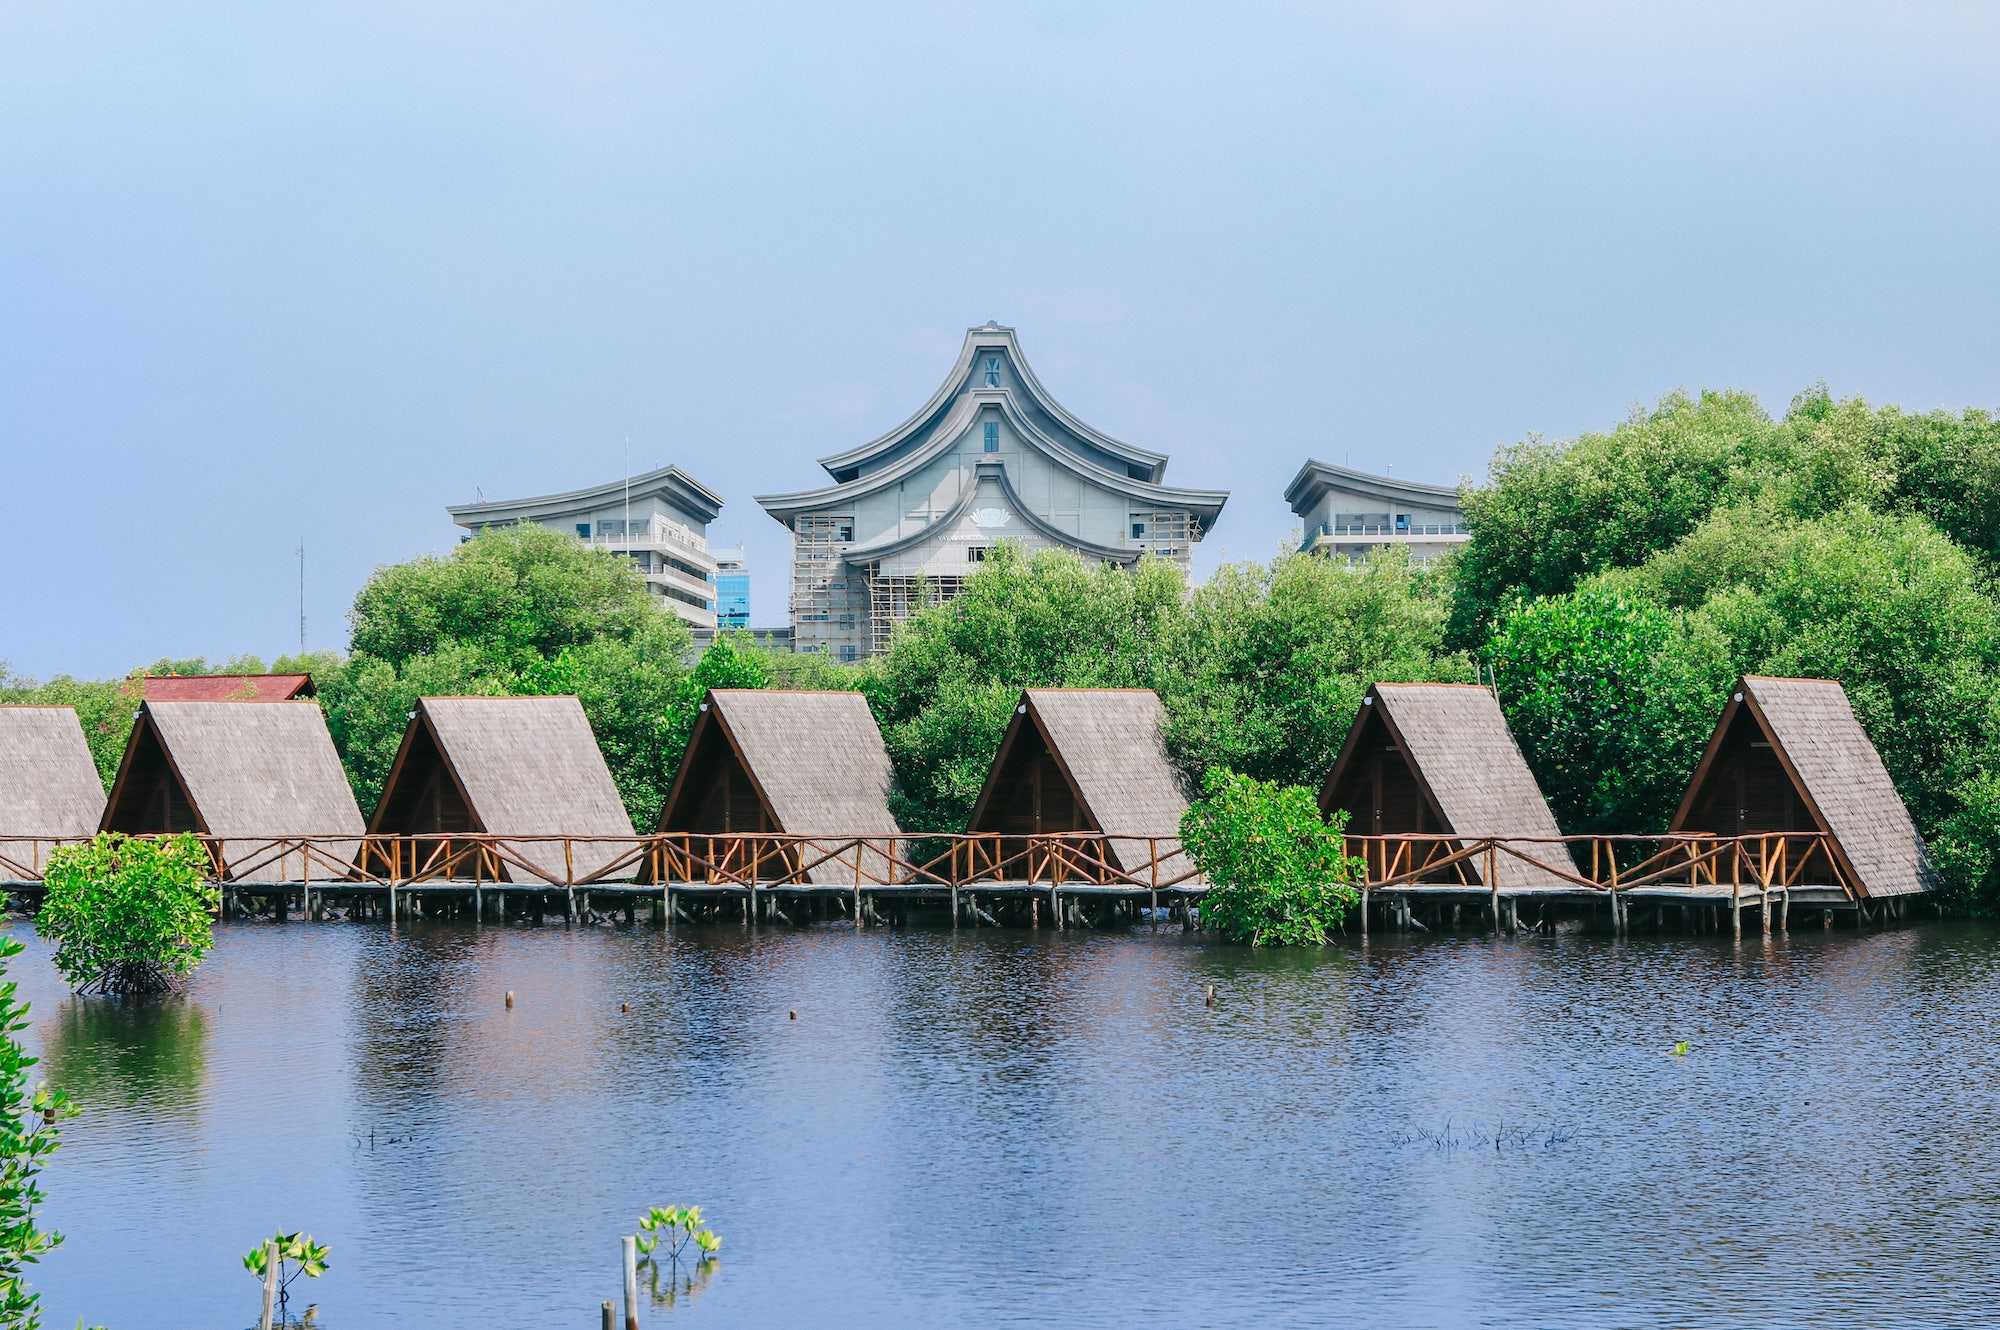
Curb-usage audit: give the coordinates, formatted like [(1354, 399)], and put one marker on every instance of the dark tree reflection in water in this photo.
[(916, 1128)]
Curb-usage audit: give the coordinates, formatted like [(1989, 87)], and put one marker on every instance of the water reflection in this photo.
[(115, 1053), (927, 1128)]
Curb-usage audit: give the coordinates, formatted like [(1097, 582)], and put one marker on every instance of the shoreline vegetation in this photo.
[(1613, 587)]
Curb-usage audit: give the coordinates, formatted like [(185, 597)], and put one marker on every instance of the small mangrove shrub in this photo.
[(298, 1255), (664, 1234), (128, 915), (1276, 872), (29, 1134)]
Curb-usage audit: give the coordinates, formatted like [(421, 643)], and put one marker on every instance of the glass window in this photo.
[(1138, 530), (992, 436), (583, 530), (845, 531), (975, 554), (993, 371)]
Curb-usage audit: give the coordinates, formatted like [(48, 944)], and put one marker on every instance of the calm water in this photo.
[(1003, 1128)]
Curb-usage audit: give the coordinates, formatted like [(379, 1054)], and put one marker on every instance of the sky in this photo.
[(273, 274)]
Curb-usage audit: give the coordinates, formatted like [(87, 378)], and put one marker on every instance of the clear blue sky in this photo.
[(317, 270)]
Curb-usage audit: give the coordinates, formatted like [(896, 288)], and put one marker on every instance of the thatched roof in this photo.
[(1839, 776), (816, 760), (1458, 745), (255, 772), (48, 784), (1111, 743), (530, 766)]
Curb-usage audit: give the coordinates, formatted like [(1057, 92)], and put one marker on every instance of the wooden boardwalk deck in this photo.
[(1701, 883)]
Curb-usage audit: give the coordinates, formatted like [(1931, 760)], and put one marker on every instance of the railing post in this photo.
[(1493, 887)]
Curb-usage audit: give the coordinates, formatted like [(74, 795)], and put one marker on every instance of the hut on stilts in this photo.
[(507, 768), (1436, 760), (49, 787), (1789, 755), (795, 764), (254, 778), (1083, 760)]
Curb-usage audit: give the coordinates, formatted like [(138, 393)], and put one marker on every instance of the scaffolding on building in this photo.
[(893, 599), (822, 592), (1166, 533)]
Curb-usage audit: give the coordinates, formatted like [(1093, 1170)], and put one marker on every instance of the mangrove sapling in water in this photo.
[(297, 1255), (664, 1234), (128, 915), (1276, 872)]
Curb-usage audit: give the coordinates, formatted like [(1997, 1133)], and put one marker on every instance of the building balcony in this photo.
[(661, 540)]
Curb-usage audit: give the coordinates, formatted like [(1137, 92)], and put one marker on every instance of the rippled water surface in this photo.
[(1000, 1127)]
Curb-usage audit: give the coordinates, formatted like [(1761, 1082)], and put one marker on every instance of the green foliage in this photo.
[(1277, 873), (297, 1255), (1966, 848), (512, 612), (128, 915), (1271, 662), (29, 1134), (729, 662), (666, 1233), (943, 691), (1611, 700), (1557, 512)]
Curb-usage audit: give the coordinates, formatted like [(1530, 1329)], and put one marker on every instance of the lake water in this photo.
[(1010, 1128)]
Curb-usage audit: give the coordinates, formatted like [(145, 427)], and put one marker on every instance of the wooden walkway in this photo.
[(1410, 883)]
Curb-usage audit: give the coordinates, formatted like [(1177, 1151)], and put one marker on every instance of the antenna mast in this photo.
[(302, 597)]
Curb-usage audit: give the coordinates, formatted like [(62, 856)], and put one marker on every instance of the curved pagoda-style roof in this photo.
[(935, 429), (986, 338), (668, 482), (1315, 478)]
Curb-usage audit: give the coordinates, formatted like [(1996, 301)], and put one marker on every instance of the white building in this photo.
[(990, 457), (659, 520), (1347, 513)]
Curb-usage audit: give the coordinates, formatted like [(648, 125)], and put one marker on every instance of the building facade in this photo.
[(990, 457), (1347, 514), (659, 520), (732, 590)]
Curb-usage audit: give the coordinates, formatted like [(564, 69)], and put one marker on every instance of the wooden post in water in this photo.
[(1493, 887), (609, 1319), (631, 1284), (1785, 911), (1364, 909), (270, 1284)]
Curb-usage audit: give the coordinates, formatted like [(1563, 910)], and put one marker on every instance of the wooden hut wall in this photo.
[(1378, 788), (422, 797), (1746, 789), (149, 797), (717, 794), (1031, 793)]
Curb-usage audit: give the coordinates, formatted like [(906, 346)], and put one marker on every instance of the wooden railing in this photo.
[(1759, 861), (1770, 861), (726, 859)]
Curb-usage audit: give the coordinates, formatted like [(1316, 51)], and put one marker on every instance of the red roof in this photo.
[(227, 687)]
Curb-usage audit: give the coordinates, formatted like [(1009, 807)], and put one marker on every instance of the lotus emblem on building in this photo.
[(989, 518)]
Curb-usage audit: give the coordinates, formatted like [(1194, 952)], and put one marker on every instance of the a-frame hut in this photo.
[(799, 763), (49, 788), (1790, 755), (247, 774), (509, 766), (1438, 759), (1087, 759)]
